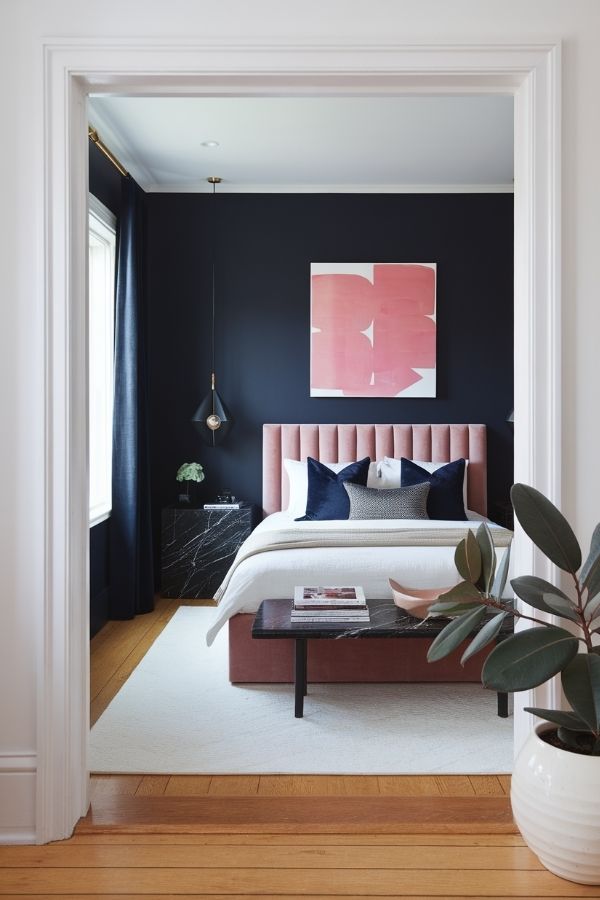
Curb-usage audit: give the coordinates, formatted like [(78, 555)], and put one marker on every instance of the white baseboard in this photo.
[(17, 798), (23, 836)]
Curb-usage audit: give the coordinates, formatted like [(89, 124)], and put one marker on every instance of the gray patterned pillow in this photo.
[(398, 503)]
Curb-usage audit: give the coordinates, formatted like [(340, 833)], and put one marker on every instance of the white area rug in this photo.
[(179, 714)]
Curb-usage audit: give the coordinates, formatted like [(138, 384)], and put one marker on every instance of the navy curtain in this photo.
[(131, 567)]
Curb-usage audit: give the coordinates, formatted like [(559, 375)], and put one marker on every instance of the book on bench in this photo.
[(329, 603)]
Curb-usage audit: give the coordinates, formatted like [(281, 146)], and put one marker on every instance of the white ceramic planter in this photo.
[(555, 799)]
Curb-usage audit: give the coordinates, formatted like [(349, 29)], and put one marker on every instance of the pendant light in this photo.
[(212, 419)]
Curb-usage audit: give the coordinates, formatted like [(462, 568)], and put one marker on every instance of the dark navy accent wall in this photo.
[(105, 184), (264, 249)]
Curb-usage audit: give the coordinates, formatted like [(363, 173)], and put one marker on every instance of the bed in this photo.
[(283, 553)]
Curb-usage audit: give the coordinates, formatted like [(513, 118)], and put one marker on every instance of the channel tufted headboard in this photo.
[(338, 443)]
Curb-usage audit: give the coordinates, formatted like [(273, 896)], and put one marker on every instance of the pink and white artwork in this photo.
[(373, 330)]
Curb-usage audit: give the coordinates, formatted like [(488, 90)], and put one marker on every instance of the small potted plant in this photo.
[(189, 473), (555, 791)]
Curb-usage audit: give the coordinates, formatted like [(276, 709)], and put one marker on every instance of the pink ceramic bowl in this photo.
[(414, 601)]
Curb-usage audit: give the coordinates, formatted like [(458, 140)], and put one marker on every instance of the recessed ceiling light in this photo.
[(210, 143)]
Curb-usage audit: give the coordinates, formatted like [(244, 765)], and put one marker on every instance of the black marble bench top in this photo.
[(273, 620)]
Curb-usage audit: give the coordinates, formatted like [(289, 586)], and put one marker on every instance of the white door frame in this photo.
[(75, 67)]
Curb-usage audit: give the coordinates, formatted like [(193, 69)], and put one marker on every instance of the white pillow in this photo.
[(297, 472), (389, 472)]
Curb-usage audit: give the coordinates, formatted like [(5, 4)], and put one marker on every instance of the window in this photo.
[(101, 324)]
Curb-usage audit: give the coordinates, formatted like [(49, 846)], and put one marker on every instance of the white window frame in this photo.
[(102, 233)]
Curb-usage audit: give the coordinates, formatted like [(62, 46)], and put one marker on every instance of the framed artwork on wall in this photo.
[(373, 329)]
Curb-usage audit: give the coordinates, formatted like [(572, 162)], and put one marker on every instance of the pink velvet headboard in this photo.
[(338, 443)]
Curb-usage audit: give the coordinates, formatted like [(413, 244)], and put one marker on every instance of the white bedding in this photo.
[(275, 574)]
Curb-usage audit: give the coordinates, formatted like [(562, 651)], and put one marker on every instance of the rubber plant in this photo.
[(532, 656)]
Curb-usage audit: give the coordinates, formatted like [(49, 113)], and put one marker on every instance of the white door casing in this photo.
[(75, 67)]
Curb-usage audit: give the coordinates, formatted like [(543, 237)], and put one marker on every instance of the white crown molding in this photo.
[(225, 188), (115, 142)]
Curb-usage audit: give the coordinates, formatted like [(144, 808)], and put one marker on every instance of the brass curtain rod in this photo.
[(93, 136)]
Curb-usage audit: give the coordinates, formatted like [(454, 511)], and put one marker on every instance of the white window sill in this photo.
[(100, 517)]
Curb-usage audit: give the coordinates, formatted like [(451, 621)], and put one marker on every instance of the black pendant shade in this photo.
[(212, 420)]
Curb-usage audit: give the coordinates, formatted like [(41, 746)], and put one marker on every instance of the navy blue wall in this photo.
[(105, 184), (264, 249)]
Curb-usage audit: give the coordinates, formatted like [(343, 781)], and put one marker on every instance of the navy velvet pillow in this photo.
[(327, 498), (445, 500)]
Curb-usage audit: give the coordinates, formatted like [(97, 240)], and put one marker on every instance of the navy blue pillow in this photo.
[(445, 500), (327, 497)]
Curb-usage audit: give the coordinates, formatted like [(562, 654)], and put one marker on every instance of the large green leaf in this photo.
[(528, 658), (590, 573), (592, 562), (581, 684), (467, 558), (562, 607), (453, 601), (454, 634), (486, 634), (592, 608), (488, 556), (501, 575), (533, 590), (593, 584), (547, 527), (449, 610), (559, 717)]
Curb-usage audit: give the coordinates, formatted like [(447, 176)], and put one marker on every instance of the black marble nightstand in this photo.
[(198, 546)]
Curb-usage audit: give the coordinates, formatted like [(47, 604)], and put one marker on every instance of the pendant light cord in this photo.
[(214, 251)]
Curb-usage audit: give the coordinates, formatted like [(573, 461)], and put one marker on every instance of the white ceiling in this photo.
[(312, 143)]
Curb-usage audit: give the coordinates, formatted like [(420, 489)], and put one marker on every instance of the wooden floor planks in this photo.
[(300, 785), (264, 882), (297, 815), (274, 836)]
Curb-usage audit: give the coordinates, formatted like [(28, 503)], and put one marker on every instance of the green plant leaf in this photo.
[(528, 658), (454, 634), (559, 717), (488, 556), (592, 564), (467, 558), (451, 609), (593, 585), (532, 590), (590, 573), (578, 741), (459, 595), (562, 607), (501, 575), (581, 684), (592, 608), (486, 634), (547, 527)]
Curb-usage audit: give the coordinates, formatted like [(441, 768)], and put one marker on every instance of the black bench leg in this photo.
[(305, 668), (503, 705), (300, 677)]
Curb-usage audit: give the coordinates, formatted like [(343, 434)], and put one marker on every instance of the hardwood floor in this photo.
[(280, 866), (159, 836)]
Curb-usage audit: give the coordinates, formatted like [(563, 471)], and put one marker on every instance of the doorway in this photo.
[(62, 789)]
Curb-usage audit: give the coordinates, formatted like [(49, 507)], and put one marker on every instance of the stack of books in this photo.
[(332, 605)]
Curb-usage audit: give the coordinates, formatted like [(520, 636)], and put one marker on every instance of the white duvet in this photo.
[(275, 574)]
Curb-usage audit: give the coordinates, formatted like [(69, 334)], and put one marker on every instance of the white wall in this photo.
[(22, 25)]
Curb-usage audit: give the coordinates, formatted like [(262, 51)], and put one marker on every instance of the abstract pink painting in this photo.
[(373, 331)]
